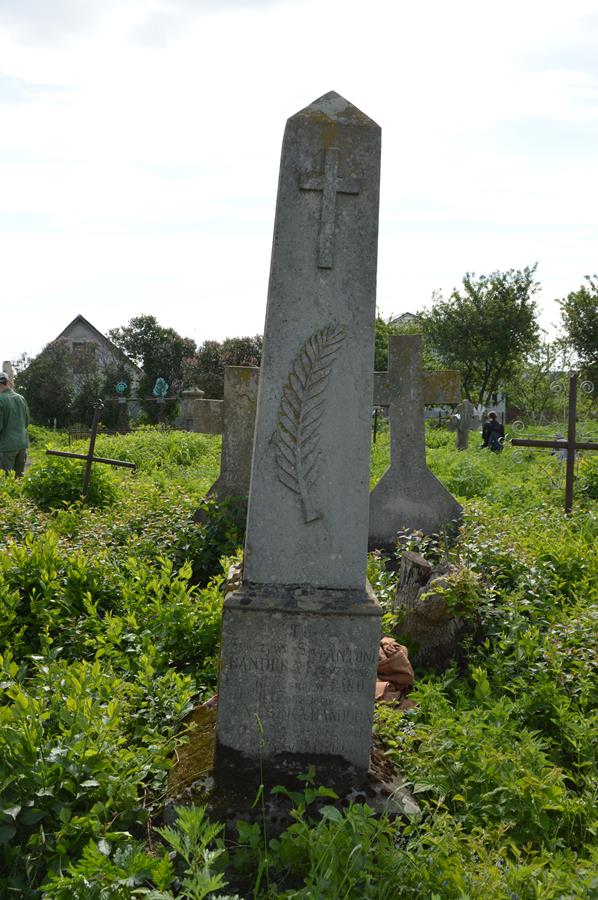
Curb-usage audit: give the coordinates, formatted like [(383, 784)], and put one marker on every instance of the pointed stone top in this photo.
[(331, 108)]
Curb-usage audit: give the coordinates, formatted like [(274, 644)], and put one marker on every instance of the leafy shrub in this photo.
[(109, 867), (59, 482), (72, 764), (589, 478), (468, 479)]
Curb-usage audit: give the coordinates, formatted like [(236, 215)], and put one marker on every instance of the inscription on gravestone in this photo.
[(300, 636)]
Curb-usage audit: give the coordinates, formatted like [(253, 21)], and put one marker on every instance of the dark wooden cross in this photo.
[(89, 457), (570, 445), (330, 184)]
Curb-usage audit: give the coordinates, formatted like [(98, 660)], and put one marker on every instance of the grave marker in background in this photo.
[(239, 407), (409, 496), (7, 367), (300, 637)]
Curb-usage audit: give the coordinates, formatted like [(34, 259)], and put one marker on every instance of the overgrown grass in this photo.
[(109, 625)]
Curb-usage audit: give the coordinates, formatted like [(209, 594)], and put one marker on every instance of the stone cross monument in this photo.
[(300, 636), (409, 496)]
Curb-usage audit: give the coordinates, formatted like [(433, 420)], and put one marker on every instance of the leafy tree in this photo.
[(48, 385), (160, 352), (531, 386), (579, 312), (486, 329), (385, 329), (206, 369)]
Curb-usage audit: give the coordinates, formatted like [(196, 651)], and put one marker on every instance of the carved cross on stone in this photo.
[(409, 496), (330, 184)]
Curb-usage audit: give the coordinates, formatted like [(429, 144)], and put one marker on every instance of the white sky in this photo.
[(140, 141)]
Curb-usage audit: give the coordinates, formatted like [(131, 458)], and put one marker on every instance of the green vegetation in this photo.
[(109, 629)]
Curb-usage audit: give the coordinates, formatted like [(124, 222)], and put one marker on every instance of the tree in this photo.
[(47, 384), (579, 312), (206, 369), (385, 329), (160, 352), (531, 387), (485, 330)]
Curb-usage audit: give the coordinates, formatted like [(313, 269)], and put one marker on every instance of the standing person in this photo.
[(493, 433), (14, 419)]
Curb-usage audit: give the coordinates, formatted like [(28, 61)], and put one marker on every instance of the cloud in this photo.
[(51, 20), (17, 90), (155, 22), (170, 18)]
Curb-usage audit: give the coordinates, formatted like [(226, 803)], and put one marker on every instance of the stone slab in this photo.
[(238, 427), (298, 672), (307, 519), (205, 416), (7, 367)]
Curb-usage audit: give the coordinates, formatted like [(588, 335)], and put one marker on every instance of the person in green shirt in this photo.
[(14, 419)]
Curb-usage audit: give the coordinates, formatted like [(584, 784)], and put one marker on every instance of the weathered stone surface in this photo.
[(238, 425), (297, 672), (409, 496), (204, 416), (7, 367), (464, 424), (434, 632), (300, 636), (311, 459)]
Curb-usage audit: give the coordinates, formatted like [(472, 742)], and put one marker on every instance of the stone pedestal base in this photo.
[(297, 674)]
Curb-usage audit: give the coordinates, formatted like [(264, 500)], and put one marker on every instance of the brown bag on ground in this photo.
[(395, 675)]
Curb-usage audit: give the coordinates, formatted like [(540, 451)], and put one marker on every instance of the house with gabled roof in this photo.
[(85, 341)]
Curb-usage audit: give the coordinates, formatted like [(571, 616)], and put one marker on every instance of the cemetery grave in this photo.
[(114, 628), (511, 734)]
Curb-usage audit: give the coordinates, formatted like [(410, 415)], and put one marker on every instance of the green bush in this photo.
[(58, 482), (467, 478)]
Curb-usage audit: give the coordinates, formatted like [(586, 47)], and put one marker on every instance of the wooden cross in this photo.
[(330, 184), (89, 457), (570, 445)]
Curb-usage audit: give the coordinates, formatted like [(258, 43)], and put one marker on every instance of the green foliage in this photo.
[(47, 383), (159, 351), (58, 482), (467, 478), (206, 369), (485, 330), (579, 311), (108, 640), (531, 386), (589, 477), (114, 865)]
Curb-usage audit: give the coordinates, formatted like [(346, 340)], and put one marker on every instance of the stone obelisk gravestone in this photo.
[(300, 637), (409, 496)]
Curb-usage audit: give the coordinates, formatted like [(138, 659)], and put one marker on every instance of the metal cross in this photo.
[(570, 445), (330, 184), (89, 457)]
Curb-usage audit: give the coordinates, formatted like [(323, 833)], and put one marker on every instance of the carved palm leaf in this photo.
[(297, 435)]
